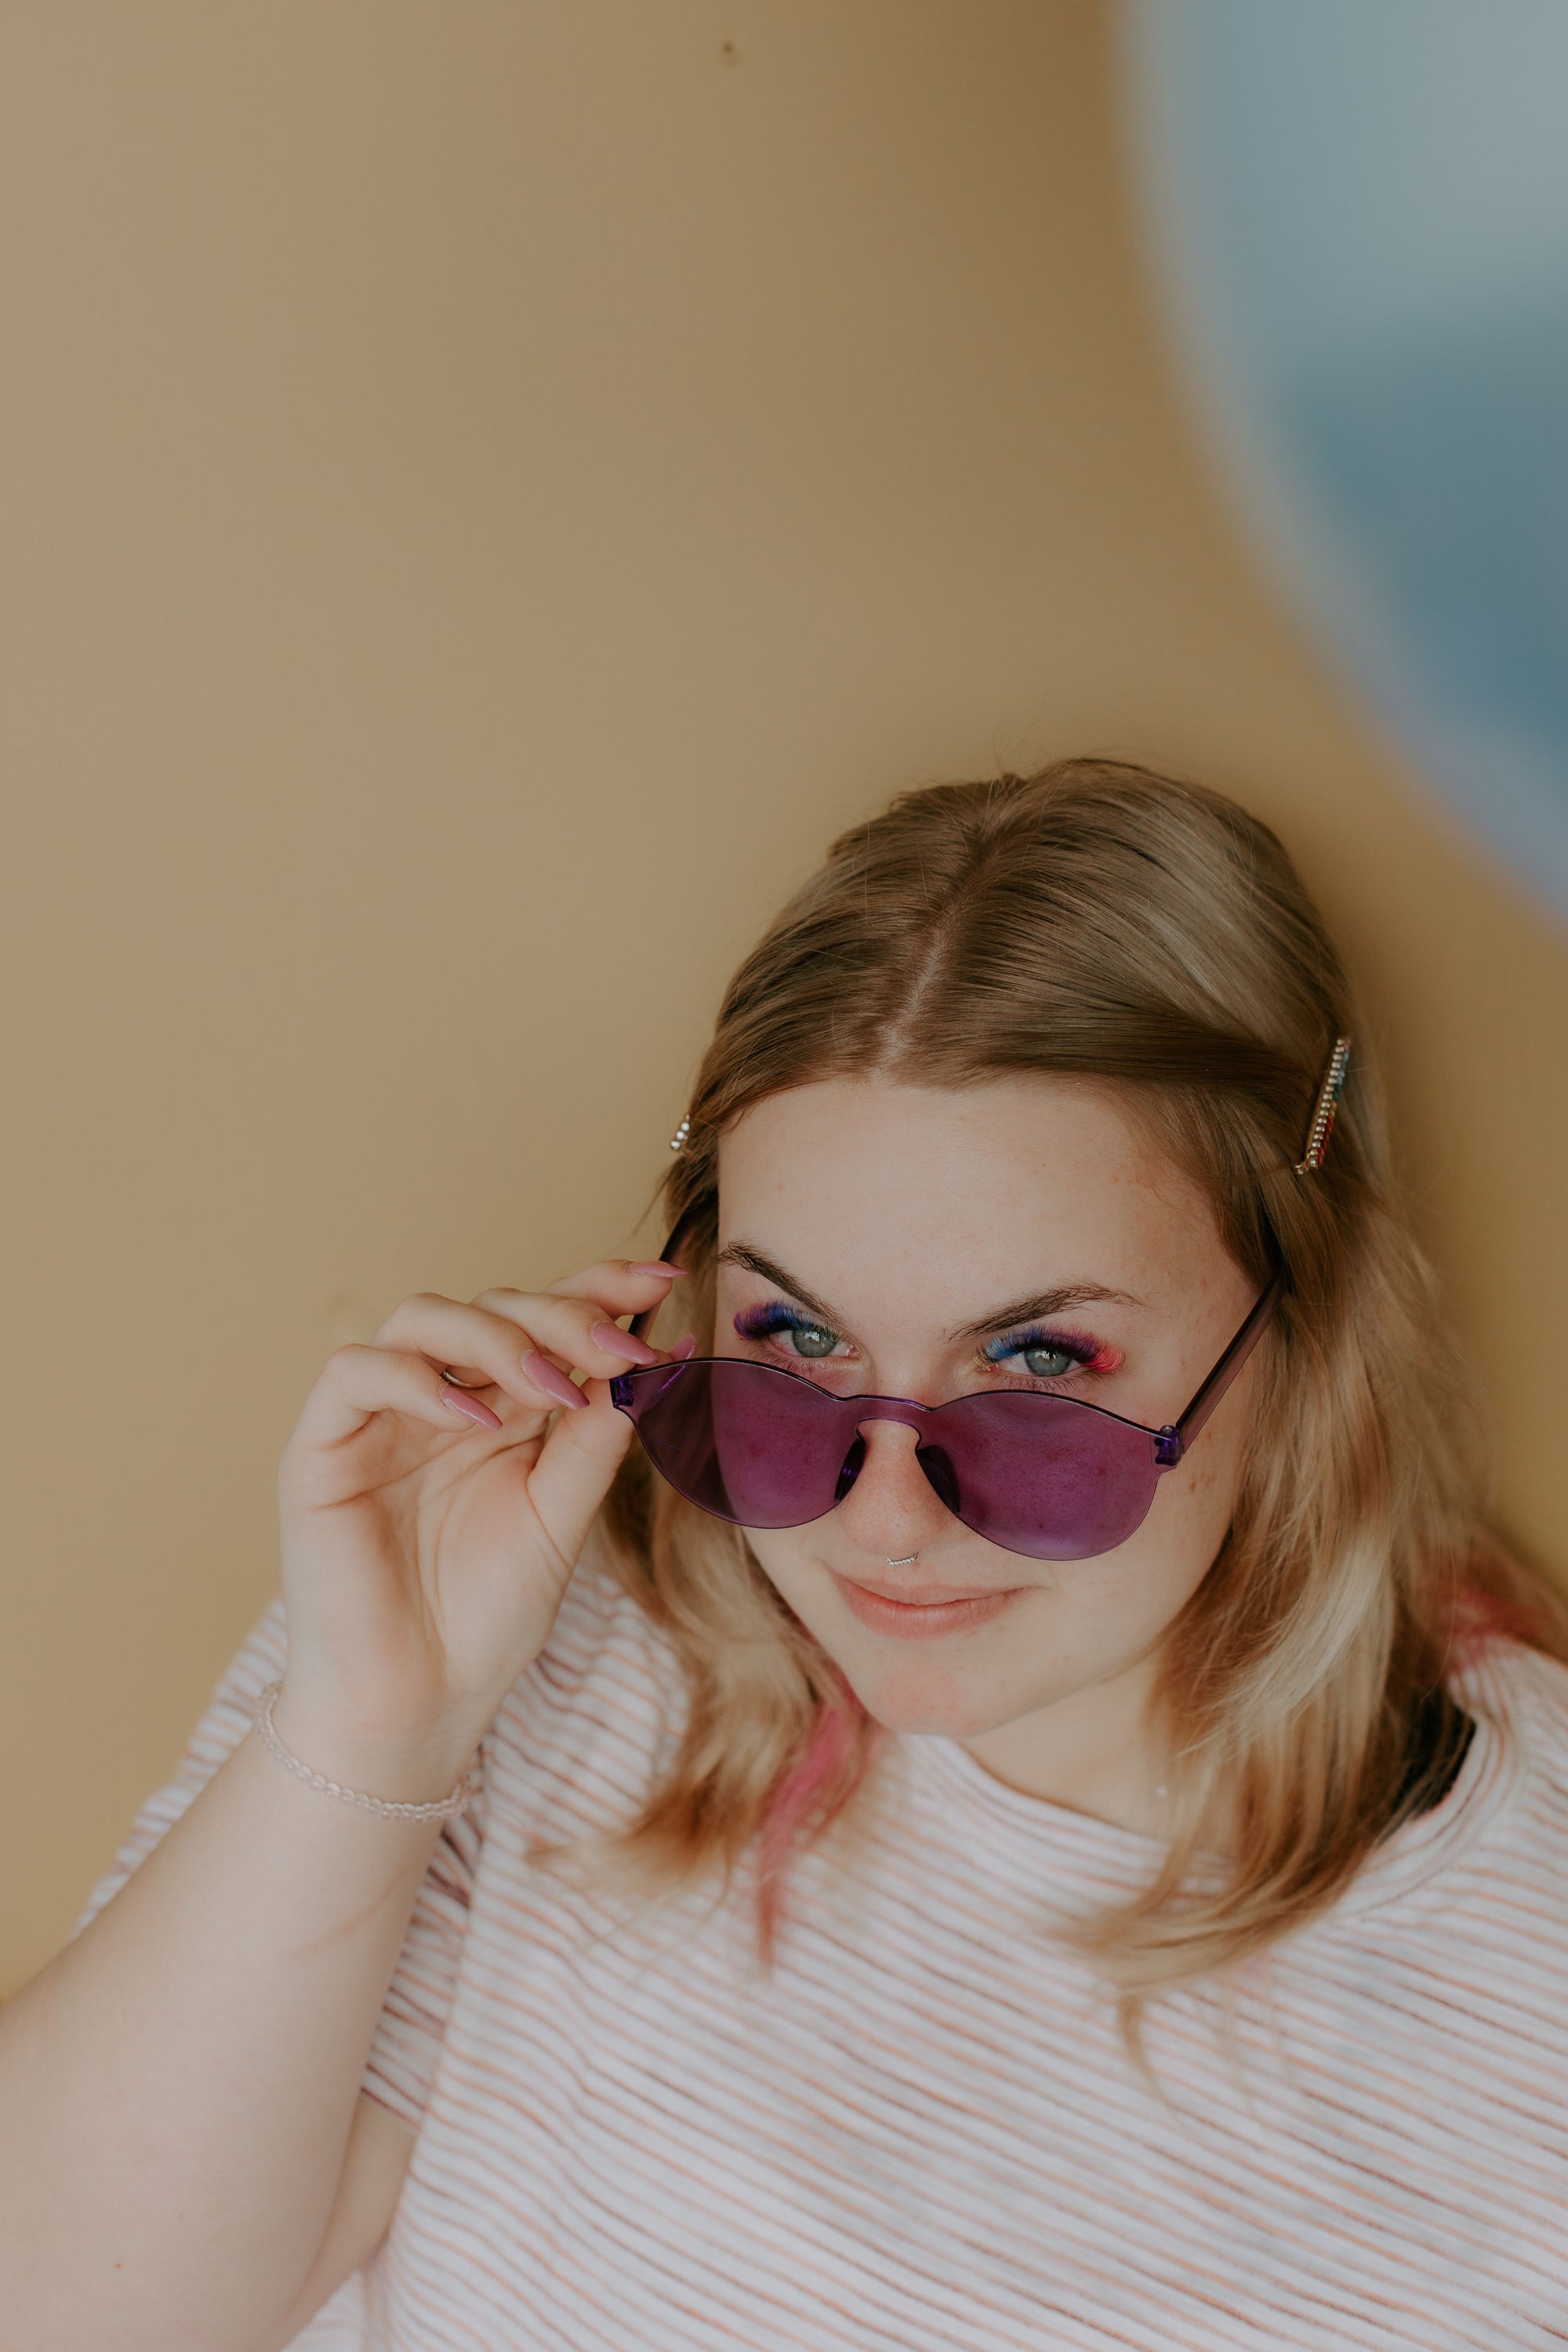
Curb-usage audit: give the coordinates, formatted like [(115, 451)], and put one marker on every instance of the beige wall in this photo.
[(491, 485)]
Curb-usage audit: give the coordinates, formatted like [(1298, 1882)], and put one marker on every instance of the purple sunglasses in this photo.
[(1050, 1476)]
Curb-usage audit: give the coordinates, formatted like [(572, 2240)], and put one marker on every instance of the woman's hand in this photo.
[(429, 1532)]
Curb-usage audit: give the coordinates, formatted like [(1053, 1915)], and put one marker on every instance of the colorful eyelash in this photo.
[(1090, 1353), (762, 1322), (774, 1316)]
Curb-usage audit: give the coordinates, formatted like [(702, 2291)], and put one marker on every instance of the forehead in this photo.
[(861, 1185)]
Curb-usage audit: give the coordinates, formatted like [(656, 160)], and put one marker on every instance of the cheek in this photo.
[(1198, 1501), (788, 1557), (1084, 1623)]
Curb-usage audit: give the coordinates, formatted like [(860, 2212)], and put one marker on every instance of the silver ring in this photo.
[(450, 1377), (903, 1563)]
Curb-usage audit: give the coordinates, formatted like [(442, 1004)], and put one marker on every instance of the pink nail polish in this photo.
[(555, 1384), (656, 1266), (470, 1407), (684, 1348), (617, 1342)]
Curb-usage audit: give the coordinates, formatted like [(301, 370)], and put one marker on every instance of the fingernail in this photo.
[(656, 1266), (554, 1383), (684, 1348), (470, 1407), (617, 1342)]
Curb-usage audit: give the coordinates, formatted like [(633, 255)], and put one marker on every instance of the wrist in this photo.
[(391, 1765)]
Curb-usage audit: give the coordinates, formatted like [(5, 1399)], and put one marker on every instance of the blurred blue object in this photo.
[(1360, 209)]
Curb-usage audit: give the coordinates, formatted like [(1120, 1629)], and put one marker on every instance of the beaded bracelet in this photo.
[(437, 1810)]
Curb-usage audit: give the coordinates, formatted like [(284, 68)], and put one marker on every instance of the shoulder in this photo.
[(1524, 1693), (1520, 1698), (585, 1730), (228, 1716), (1480, 1881)]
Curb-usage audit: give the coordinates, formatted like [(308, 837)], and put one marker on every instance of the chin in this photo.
[(948, 1700)]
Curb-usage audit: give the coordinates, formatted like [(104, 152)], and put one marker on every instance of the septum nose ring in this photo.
[(903, 1563)]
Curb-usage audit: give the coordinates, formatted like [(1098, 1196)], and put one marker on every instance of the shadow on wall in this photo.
[(1362, 217)]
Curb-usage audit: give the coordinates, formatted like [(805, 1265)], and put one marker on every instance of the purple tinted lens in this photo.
[(1039, 1475), (742, 1441), (1045, 1475)]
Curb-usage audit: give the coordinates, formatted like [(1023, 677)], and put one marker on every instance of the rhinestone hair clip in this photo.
[(1329, 1093), (1318, 1135)]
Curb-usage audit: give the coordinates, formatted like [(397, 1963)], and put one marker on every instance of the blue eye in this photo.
[(1043, 1355), (811, 1340), (807, 1339)]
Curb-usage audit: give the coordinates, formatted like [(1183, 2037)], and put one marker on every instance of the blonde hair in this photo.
[(1101, 919)]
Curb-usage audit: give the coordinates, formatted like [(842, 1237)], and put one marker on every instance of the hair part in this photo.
[(1101, 920)]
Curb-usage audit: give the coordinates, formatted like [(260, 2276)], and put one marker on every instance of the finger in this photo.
[(568, 1484), (576, 1331), (481, 1350), (480, 1341), (359, 1381), (513, 1349), (623, 1286)]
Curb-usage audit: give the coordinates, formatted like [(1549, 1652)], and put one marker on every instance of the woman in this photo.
[(1040, 1822)]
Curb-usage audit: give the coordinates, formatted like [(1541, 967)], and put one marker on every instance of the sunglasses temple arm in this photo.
[(1225, 1371), (685, 1227)]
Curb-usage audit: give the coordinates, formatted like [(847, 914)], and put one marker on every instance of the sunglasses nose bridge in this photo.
[(904, 1413), (902, 1410), (894, 1494)]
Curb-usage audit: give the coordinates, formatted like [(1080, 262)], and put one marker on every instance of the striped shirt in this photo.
[(921, 2130)]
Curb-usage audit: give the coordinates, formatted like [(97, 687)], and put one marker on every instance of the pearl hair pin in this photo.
[(903, 1563), (678, 1140)]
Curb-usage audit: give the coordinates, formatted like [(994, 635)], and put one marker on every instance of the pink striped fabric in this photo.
[(920, 2129)]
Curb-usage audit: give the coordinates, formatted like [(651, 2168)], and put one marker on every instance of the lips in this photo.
[(921, 1596), (923, 1615)]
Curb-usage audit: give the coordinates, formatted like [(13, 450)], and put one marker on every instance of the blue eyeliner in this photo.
[(762, 1322), (1039, 1335)]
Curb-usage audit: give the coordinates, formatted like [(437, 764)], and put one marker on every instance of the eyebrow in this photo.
[(1038, 1308), (741, 1253), (1044, 1304)]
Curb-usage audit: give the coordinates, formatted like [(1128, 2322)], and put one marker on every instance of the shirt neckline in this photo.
[(1485, 1785)]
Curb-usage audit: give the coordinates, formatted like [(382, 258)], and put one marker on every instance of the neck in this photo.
[(1094, 1753)]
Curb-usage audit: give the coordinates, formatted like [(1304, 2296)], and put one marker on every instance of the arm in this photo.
[(183, 2154), (179, 2086), (379, 2149)]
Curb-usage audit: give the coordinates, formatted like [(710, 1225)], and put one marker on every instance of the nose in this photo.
[(891, 1510)]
